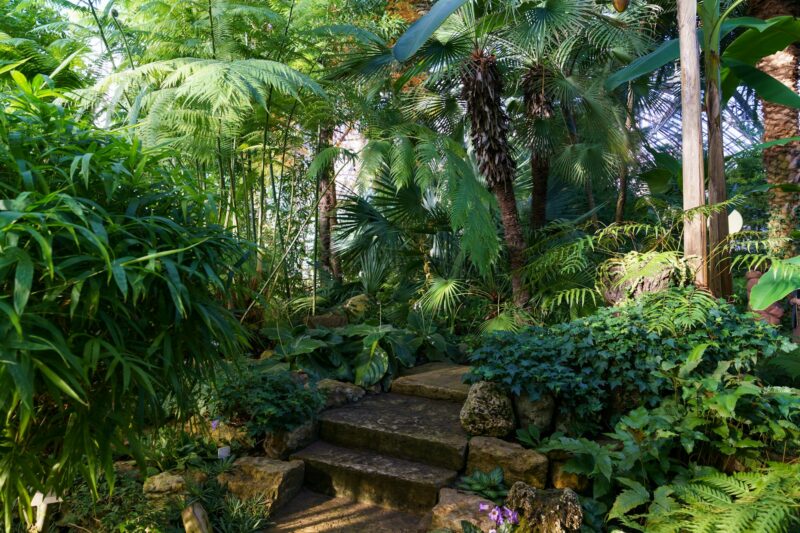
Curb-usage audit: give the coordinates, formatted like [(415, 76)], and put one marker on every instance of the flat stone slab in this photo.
[(373, 478), (518, 463), (310, 512), (438, 381), (408, 427)]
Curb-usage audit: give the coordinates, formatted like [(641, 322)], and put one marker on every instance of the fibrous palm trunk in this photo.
[(782, 163), (327, 208), (537, 108), (489, 134)]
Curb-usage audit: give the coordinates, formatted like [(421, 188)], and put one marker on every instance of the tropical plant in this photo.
[(489, 485), (262, 399), (109, 279), (610, 361)]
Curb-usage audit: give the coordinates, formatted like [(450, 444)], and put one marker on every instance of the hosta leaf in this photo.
[(371, 365)]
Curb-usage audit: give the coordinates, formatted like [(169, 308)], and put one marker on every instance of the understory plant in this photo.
[(490, 485), (263, 399), (610, 361), (362, 353), (109, 270), (724, 419)]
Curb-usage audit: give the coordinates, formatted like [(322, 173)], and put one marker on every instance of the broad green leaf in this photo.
[(371, 365), (765, 85), (778, 282), (23, 281), (419, 32), (120, 277), (755, 44), (628, 500), (693, 360), (667, 52)]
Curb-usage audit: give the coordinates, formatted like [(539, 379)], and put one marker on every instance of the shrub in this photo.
[(593, 362), (264, 400), (108, 275)]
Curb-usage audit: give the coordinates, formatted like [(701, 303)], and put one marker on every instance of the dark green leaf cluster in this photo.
[(362, 353), (490, 485), (264, 400), (610, 360)]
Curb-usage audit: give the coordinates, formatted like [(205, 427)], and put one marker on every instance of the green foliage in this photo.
[(109, 275), (722, 417), (362, 353), (782, 278), (263, 400), (612, 358), (489, 485), (529, 436), (761, 500)]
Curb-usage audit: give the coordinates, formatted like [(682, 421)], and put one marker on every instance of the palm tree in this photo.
[(782, 163), (327, 207), (482, 91)]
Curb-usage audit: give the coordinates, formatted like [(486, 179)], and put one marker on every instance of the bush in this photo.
[(264, 400), (614, 356), (108, 276)]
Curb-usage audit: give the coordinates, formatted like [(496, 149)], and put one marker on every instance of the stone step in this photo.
[(438, 381), (369, 477), (310, 512), (407, 427)]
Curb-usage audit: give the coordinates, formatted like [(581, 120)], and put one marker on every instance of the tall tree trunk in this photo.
[(719, 260), (538, 108), (782, 163), (540, 172), (489, 134), (327, 208), (694, 233), (622, 191)]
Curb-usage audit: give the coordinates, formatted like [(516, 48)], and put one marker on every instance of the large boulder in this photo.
[(165, 487), (538, 413), (553, 510), (280, 444), (455, 506), (195, 519), (276, 482), (488, 411), (518, 463), (338, 393)]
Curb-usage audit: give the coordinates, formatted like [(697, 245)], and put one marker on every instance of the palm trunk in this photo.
[(540, 172), (327, 208), (782, 163), (719, 260), (694, 238), (538, 108), (622, 192), (489, 134)]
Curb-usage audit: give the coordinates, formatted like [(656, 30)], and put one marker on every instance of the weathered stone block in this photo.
[(561, 479), (518, 463), (260, 477), (553, 510), (195, 519), (338, 393), (488, 411), (455, 506), (280, 444), (537, 413)]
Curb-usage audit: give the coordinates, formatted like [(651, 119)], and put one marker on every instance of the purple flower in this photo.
[(215, 423), (492, 530), (483, 507), (496, 516), (511, 516)]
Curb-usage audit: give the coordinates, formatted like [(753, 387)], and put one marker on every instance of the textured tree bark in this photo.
[(540, 172), (538, 107), (694, 237), (482, 89), (782, 163), (719, 260), (327, 208), (622, 192)]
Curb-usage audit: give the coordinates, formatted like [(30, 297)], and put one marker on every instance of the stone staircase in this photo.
[(395, 450)]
